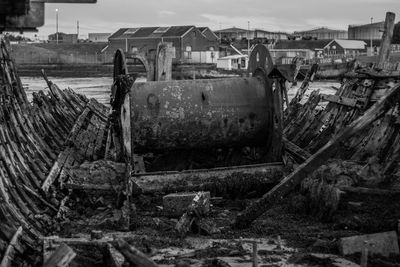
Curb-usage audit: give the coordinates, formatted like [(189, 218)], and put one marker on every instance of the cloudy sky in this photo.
[(282, 15)]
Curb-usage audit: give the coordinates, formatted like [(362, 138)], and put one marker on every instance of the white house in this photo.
[(234, 62)]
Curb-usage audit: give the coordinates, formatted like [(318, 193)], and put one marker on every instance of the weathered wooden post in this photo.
[(384, 52), (163, 68)]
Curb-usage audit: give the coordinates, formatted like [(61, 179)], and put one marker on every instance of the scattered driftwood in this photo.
[(286, 185), (195, 210), (61, 257), (133, 255)]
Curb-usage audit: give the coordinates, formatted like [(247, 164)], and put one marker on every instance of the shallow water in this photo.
[(99, 88)]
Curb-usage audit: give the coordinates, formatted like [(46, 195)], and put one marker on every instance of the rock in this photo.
[(96, 234), (177, 204), (380, 243)]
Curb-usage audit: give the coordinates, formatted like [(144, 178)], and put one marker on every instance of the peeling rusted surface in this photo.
[(200, 114)]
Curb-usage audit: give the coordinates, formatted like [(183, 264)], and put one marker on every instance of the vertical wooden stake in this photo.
[(384, 52), (364, 255), (255, 257)]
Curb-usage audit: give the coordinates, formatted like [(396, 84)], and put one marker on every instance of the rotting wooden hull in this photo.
[(37, 140)]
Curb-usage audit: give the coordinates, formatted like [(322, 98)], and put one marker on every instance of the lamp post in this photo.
[(372, 52), (57, 25), (248, 38)]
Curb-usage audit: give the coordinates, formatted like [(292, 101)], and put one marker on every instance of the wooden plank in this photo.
[(56, 169), (370, 191), (346, 101), (315, 161), (201, 180), (61, 257), (133, 255), (9, 254), (299, 154)]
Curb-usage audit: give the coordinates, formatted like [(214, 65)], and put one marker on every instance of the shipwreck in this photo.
[(181, 173)]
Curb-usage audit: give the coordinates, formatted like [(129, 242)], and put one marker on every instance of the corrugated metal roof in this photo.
[(301, 44), (234, 29), (150, 32), (350, 44)]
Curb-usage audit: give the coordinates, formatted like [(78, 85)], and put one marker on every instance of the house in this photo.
[(286, 50), (98, 37), (207, 32), (63, 38), (345, 47), (235, 34), (191, 44), (322, 33), (234, 62)]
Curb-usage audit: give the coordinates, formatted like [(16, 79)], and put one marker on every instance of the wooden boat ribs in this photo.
[(38, 140)]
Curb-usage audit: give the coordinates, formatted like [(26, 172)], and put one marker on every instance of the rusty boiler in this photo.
[(202, 114)]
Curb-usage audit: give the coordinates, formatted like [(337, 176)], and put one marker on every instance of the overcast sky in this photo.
[(277, 15)]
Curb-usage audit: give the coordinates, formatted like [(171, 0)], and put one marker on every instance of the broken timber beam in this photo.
[(61, 257), (315, 161), (133, 255), (9, 253), (341, 100), (370, 191), (207, 179), (299, 154), (384, 52)]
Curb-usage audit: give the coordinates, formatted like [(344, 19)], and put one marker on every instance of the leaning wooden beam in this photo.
[(133, 255), (40, 198), (9, 254), (208, 179), (384, 52), (299, 154), (319, 158), (61, 257)]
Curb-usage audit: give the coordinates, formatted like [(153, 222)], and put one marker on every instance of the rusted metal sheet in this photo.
[(200, 114)]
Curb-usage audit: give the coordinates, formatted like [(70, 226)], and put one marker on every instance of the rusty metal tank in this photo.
[(199, 114)]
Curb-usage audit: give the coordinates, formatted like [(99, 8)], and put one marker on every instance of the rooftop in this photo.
[(151, 32), (301, 44), (320, 29), (350, 44)]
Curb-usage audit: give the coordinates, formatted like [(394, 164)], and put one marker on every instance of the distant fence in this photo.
[(74, 58)]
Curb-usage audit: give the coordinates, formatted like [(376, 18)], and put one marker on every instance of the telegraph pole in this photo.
[(77, 28), (248, 38), (57, 25), (372, 52)]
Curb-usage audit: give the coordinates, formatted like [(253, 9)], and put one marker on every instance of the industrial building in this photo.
[(98, 37), (322, 33), (235, 34), (191, 44), (66, 38), (366, 32)]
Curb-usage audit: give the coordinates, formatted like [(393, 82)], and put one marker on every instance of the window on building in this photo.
[(162, 30), (131, 31)]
